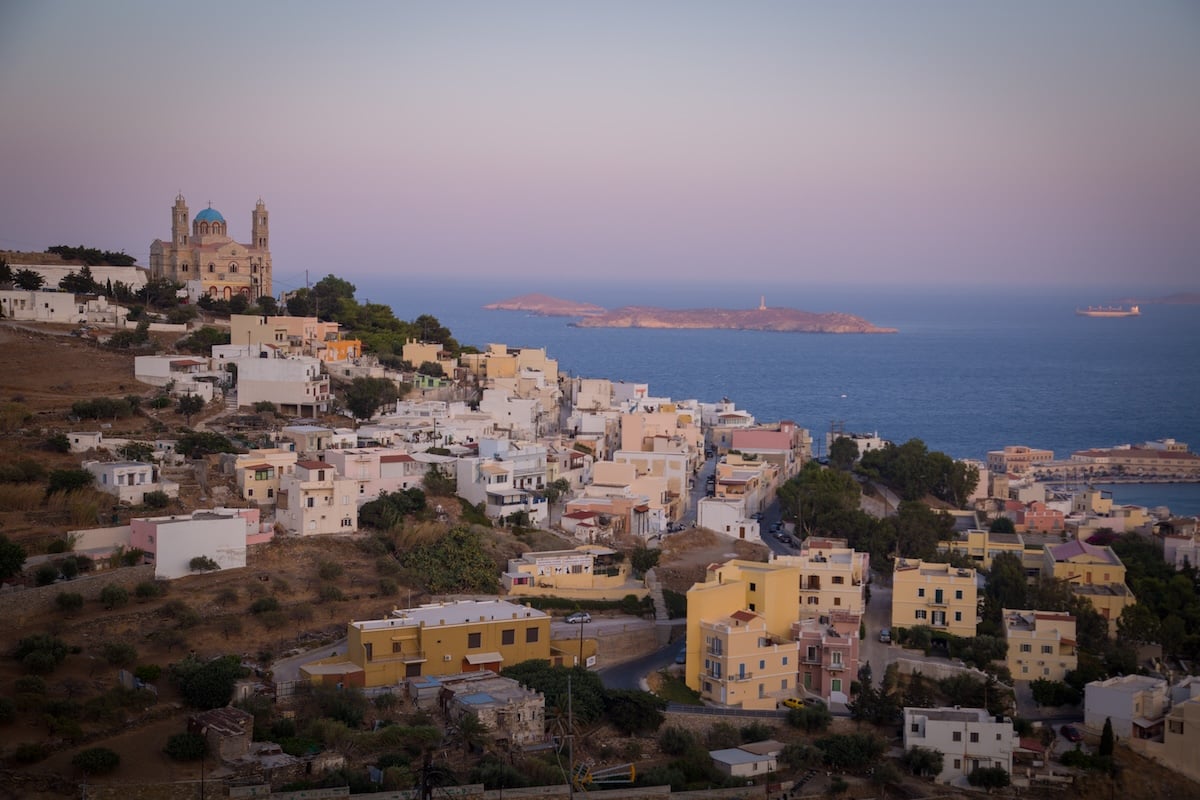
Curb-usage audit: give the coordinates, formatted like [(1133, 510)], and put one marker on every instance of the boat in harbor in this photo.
[(1109, 311)]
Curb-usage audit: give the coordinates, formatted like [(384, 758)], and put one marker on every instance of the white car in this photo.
[(579, 617)]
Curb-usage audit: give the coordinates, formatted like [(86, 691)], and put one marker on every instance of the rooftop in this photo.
[(457, 613)]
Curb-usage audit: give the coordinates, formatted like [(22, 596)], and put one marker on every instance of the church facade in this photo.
[(209, 258)]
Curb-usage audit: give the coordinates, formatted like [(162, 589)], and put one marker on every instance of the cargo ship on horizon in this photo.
[(1109, 311)]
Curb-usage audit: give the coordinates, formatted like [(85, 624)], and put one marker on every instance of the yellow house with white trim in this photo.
[(943, 597)]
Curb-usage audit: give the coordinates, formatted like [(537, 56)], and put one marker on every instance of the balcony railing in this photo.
[(836, 665), (714, 651), (409, 656)]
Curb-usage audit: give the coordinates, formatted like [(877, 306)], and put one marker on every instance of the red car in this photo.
[(1071, 733)]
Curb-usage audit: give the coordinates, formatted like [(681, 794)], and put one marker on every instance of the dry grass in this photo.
[(21, 497)]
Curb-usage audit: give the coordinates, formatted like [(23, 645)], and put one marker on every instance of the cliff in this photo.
[(546, 306), (788, 320)]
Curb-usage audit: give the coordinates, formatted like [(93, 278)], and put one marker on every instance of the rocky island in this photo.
[(546, 306), (785, 320)]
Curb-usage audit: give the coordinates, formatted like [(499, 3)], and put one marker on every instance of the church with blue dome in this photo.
[(207, 261)]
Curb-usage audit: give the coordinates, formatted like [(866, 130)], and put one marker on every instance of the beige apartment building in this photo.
[(1016, 459), (832, 577), (938, 595), (258, 473), (313, 500), (1041, 644), (744, 665)]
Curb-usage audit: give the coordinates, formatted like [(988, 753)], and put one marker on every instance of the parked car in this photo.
[(681, 657), (579, 617), (885, 635), (785, 539), (1071, 733), (792, 702)]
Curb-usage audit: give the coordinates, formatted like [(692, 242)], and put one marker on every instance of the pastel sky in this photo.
[(870, 143)]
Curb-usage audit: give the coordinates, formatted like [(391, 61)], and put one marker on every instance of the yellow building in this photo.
[(208, 255), (832, 577), (983, 546), (437, 639), (500, 361), (258, 473), (588, 571), (825, 578), (938, 595), (297, 335), (418, 353), (744, 665), (1094, 572), (1041, 644)]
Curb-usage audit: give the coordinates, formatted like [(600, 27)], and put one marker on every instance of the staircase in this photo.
[(231, 402), (660, 602)]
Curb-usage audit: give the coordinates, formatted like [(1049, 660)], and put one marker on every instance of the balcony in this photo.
[(714, 651), (403, 658), (836, 666)]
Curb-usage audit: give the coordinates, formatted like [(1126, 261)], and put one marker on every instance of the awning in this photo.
[(475, 659)]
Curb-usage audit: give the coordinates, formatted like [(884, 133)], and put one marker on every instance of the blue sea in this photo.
[(969, 370)]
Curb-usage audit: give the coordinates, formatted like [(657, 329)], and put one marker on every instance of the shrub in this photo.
[(69, 602), (40, 653), (989, 777), (1054, 693), (265, 407), (675, 741), (148, 590), (147, 673), (119, 654), (329, 570), (203, 564), (45, 574), (30, 752), (186, 747), (160, 401), (810, 719), (68, 480), (29, 684), (58, 443), (330, 593), (96, 761), (263, 605), (388, 587), (923, 761), (156, 499), (113, 596)]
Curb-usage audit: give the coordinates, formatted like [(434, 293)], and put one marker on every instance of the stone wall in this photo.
[(23, 603)]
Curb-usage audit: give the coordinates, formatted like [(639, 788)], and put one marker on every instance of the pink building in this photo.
[(1037, 517), (828, 654)]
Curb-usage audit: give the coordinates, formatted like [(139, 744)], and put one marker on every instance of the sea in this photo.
[(970, 370)]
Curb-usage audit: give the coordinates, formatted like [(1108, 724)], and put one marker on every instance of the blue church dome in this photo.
[(210, 215)]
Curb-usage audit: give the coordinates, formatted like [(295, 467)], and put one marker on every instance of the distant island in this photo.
[(546, 306), (785, 320)]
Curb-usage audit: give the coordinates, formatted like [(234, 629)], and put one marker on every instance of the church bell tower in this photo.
[(260, 234)]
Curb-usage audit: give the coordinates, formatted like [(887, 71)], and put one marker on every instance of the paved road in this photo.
[(631, 674), (288, 669)]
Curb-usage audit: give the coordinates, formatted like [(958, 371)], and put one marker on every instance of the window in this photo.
[(250, 493), (958, 616), (752, 608), (811, 653), (270, 492), (368, 648), (785, 659), (1026, 648), (1175, 726), (921, 614), (531, 635), (835, 685), (838, 579), (762, 664), (212, 268), (958, 594), (975, 737), (1047, 648), (397, 647), (957, 736), (783, 684), (474, 640), (412, 670), (958, 763), (916, 727), (920, 592), (346, 523), (837, 601), (754, 587), (508, 636)]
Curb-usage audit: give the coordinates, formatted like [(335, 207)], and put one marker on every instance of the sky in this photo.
[(854, 143)]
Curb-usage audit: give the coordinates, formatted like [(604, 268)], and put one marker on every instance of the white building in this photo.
[(315, 500), (967, 738), (129, 481), (293, 384), (506, 477), (1136, 704), (41, 306), (376, 470), (172, 542)]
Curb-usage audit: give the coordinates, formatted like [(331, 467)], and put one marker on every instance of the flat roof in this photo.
[(457, 613)]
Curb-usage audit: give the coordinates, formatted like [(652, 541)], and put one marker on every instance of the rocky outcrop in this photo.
[(546, 306), (787, 320)]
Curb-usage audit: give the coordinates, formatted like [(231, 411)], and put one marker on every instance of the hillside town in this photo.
[(401, 560)]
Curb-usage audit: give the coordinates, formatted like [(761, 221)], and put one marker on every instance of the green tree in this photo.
[(588, 696), (28, 279), (207, 684), (156, 499), (69, 602), (68, 480), (989, 777), (80, 282), (186, 747), (634, 712), (556, 489), (203, 564), (923, 761), (114, 596), (365, 396), (454, 563), (12, 557), (96, 761), (1107, 739), (644, 559), (437, 484), (811, 718), (6, 272), (843, 453), (851, 750), (188, 405), (1002, 525)]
